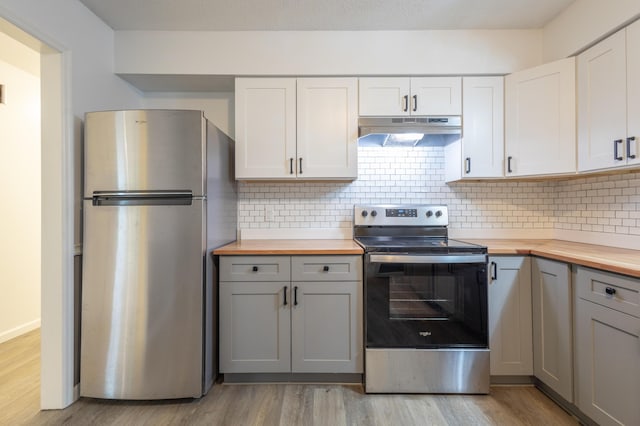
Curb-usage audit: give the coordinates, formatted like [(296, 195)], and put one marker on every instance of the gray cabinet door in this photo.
[(510, 323), (607, 347), (608, 364), (552, 325), (255, 327), (326, 327)]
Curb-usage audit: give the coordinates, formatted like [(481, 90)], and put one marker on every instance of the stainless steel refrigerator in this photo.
[(159, 195)]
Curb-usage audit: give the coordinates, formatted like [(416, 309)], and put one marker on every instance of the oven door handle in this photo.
[(447, 258)]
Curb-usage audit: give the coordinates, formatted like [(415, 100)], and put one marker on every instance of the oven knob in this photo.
[(438, 213), (429, 213), (374, 213), (364, 213)]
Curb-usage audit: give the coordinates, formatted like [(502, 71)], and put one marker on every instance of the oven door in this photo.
[(426, 301)]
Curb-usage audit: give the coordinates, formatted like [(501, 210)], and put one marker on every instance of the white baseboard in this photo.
[(296, 234), (20, 330)]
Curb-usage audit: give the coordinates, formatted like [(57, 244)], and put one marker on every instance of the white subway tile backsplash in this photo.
[(605, 204)]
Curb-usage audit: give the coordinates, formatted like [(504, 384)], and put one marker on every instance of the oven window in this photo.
[(426, 305)]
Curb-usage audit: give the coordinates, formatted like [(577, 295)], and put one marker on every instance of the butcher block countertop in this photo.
[(289, 247), (612, 259)]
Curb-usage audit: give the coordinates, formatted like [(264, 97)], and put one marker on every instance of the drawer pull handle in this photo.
[(610, 291), (285, 295), (254, 269), (325, 268)]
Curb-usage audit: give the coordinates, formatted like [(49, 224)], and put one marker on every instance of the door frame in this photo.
[(57, 214)]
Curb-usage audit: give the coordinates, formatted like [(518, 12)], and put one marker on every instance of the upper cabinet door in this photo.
[(384, 96), (602, 98), (483, 126), (436, 96), (540, 120), (327, 128), (633, 94), (265, 128), (399, 96)]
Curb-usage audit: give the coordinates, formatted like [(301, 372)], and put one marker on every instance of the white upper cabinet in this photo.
[(265, 113), (608, 105), (480, 151), (540, 135), (403, 96), (327, 128), (289, 128)]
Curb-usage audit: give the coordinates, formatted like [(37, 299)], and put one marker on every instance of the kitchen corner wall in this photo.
[(604, 205)]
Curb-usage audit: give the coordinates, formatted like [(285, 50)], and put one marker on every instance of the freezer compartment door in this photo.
[(140, 150), (142, 301)]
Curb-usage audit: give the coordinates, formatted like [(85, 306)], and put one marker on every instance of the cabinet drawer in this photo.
[(326, 268), (608, 289), (255, 268)]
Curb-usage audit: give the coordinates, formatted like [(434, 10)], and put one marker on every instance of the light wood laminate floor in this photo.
[(277, 404)]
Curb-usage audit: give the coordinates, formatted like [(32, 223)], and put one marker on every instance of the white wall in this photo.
[(326, 52), (20, 189), (217, 107), (583, 23)]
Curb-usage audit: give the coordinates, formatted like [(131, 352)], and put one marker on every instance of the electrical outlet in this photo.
[(269, 213)]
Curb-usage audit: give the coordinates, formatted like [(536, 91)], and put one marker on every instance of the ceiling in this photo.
[(325, 15)]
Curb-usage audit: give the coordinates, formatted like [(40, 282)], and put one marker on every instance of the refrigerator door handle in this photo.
[(138, 198)]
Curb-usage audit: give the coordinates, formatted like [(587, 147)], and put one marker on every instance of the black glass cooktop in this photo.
[(417, 245)]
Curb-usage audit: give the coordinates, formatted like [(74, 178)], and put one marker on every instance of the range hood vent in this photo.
[(430, 125), (408, 131)]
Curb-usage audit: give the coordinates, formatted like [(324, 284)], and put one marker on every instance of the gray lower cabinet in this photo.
[(552, 325), (510, 328), (608, 347), (283, 314)]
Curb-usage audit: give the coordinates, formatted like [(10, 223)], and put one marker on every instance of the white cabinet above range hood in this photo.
[(405, 111)]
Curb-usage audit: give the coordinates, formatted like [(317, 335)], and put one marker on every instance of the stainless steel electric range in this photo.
[(425, 302)]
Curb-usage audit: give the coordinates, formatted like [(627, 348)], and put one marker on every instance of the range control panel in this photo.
[(398, 215)]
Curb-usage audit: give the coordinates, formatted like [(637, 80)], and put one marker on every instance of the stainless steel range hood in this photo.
[(407, 131)]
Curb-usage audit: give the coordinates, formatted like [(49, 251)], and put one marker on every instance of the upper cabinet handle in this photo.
[(415, 103), (629, 140), (300, 170), (405, 98), (291, 165), (467, 168), (617, 157), (509, 170)]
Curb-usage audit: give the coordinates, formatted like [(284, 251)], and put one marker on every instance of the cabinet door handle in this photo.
[(494, 271), (610, 291), (509, 170), (254, 269), (467, 167), (291, 165), (629, 140), (284, 291), (616, 157), (405, 98), (325, 268), (295, 296), (300, 169), (415, 103)]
